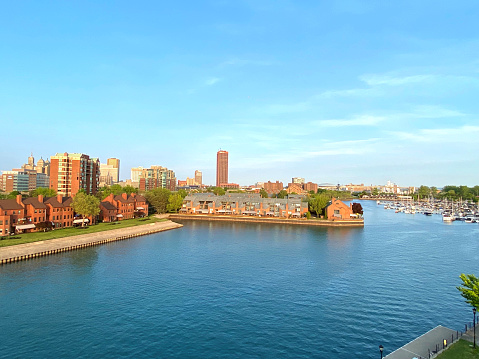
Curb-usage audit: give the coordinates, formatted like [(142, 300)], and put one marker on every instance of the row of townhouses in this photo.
[(244, 204), (33, 214)]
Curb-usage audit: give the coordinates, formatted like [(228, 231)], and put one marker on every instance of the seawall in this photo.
[(291, 221), (32, 250)]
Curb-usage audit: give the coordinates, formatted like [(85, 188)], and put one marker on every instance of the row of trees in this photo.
[(450, 192)]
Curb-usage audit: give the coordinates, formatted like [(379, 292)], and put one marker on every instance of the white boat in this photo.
[(447, 218)]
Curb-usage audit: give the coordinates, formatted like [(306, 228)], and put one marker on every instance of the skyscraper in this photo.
[(221, 168)]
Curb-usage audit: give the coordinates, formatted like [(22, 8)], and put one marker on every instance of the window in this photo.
[(35, 211), (6, 221), (336, 211)]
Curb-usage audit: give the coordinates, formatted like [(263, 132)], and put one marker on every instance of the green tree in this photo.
[(86, 205), (375, 191), (182, 192), (282, 194), (424, 191), (158, 198), (470, 289), (434, 192), (175, 201), (219, 191), (263, 193), (129, 189), (13, 195), (318, 203), (45, 192)]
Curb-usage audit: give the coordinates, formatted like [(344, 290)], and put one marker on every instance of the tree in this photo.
[(282, 194), (86, 205), (158, 198), (424, 191), (13, 195), (470, 289), (263, 193), (218, 191), (175, 201), (45, 192), (357, 208), (129, 189), (182, 192), (375, 191), (318, 203), (434, 192)]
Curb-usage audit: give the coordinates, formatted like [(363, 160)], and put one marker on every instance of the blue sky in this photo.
[(333, 91)]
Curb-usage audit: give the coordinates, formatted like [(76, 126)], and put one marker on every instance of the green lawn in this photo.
[(460, 350), (73, 231)]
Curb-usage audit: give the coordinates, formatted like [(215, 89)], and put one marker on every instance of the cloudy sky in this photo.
[(333, 91)]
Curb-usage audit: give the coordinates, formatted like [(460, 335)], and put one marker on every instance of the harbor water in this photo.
[(236, 290)]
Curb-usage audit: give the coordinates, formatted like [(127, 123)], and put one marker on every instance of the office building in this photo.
[(198, 178), (115, 162), (221, 168)]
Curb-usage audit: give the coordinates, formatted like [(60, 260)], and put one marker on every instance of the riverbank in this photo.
[(41, 248), (251, 219)]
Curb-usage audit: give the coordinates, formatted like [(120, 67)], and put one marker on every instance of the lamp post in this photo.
[(474, 311), (381, 348)]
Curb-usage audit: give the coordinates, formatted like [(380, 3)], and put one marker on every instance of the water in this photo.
[(233, 290)]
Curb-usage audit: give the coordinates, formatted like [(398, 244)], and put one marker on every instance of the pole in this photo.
[(474, 311)]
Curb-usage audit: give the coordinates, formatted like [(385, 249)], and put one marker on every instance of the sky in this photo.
[(343, 92)]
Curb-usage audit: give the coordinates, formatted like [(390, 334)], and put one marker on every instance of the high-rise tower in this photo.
[(221, 168), (115, 162)]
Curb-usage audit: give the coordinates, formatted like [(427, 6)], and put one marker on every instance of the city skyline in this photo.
[(345, 92)]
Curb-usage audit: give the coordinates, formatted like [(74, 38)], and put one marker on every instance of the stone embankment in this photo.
[(52, 246), (251, 219)]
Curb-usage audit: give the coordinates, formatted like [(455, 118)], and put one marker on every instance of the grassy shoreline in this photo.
[(74, 231), (460, 350)]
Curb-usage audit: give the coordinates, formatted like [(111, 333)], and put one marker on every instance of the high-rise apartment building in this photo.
[(71, 172), (221, 168), (198, 178), (297, 180), (154, 177), (115, 162)]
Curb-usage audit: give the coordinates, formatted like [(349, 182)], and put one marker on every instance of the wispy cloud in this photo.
[(212, 81), (364, 120), (466, 133), (379, 80)]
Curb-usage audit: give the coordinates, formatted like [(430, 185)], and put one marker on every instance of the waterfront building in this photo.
[(249, 204), (221, 168), (273, 187), (125, 207), (337, 209), (71, 172)]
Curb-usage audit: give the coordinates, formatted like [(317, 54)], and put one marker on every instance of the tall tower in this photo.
[(198, 178), (221, 168), (115, 162)]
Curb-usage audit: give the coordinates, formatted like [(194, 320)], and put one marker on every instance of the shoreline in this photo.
[(292, 221), (37, 249)]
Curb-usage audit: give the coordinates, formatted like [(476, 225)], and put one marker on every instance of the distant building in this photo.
[(43, 166), (115, 162), (23, 180), (298, 180), (154, 177), (310, 186), (221, 168), (273, 187), (198, 178), (295, 188), (71, 172)]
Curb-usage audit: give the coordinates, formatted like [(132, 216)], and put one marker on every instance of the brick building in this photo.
[(273, 187), (221, 168), (126, 207), (337, 209), (71, 172)]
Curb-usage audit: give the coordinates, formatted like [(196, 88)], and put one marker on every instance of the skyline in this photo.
[(352, 92)]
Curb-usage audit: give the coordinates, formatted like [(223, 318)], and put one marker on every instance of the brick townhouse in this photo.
[(123, 206)]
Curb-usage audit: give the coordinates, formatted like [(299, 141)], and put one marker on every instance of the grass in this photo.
[(74, 231), (460, 350)]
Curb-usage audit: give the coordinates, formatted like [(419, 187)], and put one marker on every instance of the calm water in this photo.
[(214, 290)]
